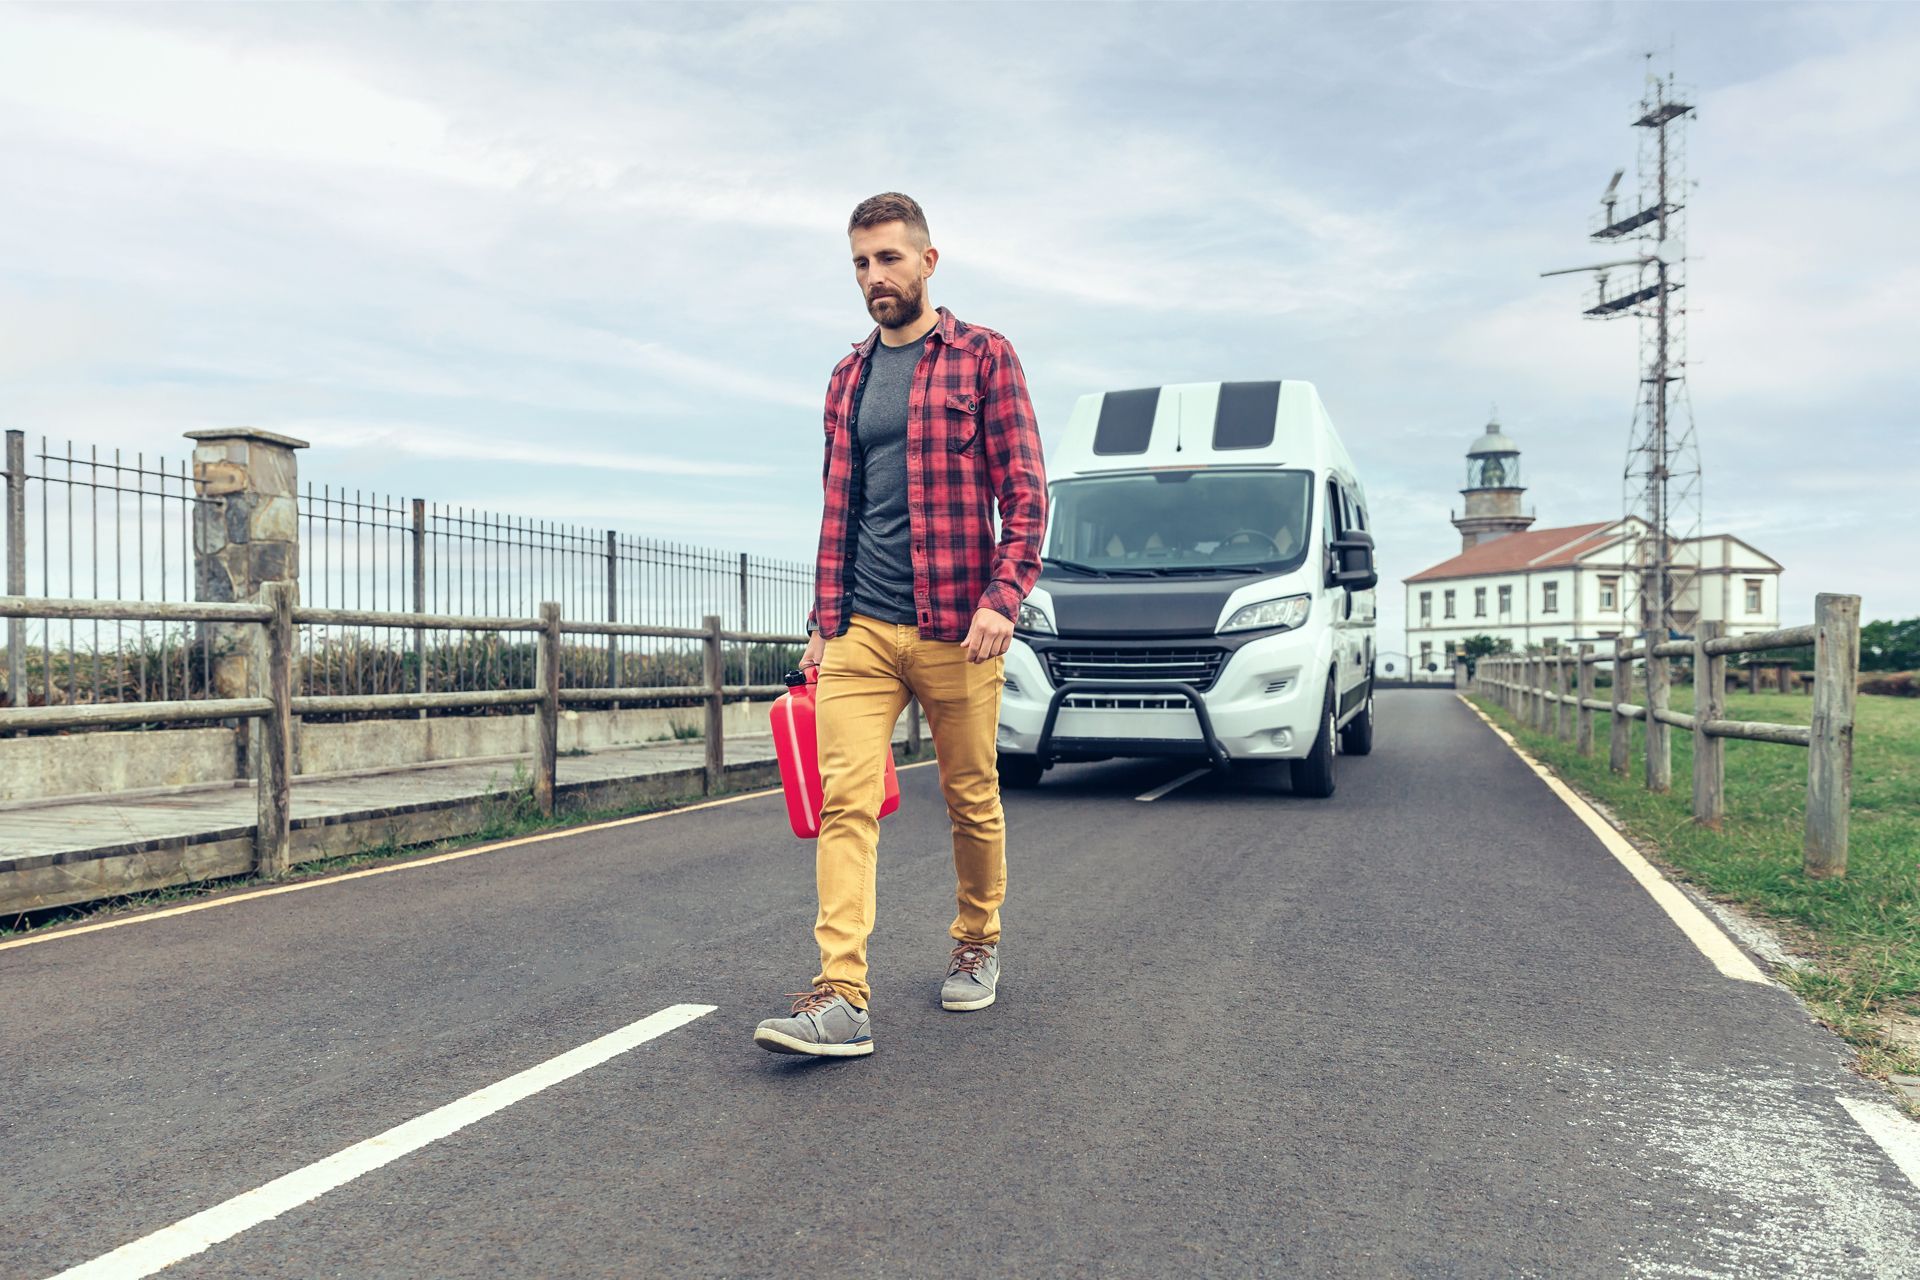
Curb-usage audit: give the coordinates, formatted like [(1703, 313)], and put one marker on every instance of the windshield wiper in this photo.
[(1171, 570), (1091, 571)]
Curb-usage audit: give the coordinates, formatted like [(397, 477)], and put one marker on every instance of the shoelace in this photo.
[(812, 1001), (968, 958)]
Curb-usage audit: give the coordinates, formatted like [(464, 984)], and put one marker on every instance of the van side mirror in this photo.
[(1352, 566)]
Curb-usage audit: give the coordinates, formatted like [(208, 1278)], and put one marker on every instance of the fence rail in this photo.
[(1537, 689), (275, 630)]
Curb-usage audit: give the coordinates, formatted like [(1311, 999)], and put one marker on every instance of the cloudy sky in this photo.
[(588, 263)]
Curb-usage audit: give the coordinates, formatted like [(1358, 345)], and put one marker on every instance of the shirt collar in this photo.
[(945, 329)]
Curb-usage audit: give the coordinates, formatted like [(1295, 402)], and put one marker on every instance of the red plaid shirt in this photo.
[(971, 443)]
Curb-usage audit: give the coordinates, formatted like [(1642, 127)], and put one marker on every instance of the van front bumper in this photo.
[(1264, 704)]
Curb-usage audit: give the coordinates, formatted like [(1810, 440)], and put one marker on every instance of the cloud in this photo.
[(415, 441)]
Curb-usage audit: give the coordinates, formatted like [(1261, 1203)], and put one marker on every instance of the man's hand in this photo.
[(989, 635), (816, 646)]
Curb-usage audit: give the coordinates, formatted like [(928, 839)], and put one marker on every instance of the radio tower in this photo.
[(1661, 481)]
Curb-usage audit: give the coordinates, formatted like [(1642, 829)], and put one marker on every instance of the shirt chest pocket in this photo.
[(961, 417)]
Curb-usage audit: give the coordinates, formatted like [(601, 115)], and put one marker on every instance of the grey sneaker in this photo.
[(824, 1023), (972, 975)]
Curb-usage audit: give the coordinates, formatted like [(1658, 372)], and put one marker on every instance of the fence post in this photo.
[(1659, 732), (1836, 672), (613, 608), (17, 564), (913, 727), (1618, 726), (746, 646), (546, 753), (1562, 713), (1543, 707), (1583, 691), (272, 833), (1709, 751), (716, 704), (420, 594)]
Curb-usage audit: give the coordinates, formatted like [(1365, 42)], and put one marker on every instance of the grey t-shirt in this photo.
[(882, 575)]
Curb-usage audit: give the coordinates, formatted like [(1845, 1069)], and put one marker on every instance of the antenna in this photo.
[(1661, 481)]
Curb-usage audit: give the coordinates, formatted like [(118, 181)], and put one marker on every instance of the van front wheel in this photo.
[(1313, 776), (1357, 738)]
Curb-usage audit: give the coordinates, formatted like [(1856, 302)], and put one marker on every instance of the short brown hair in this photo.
[(890, 206)]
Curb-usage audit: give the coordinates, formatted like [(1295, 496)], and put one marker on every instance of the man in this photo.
[(927, 427)]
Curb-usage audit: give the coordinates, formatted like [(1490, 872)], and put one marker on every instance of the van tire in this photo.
[(1313, 776), (1357, 738), (1019, 772)]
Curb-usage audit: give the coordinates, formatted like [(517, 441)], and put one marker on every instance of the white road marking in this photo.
[(391, 867), (203, 1230), (1898, 1136), (1702, 932), (1165, 787)]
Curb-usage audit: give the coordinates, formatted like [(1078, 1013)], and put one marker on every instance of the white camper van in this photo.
[(1207, 588)]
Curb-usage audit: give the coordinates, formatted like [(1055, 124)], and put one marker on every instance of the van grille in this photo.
[(1197, 665)]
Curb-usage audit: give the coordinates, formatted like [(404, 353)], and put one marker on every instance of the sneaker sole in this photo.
[(962, 1006), (780, 1042)]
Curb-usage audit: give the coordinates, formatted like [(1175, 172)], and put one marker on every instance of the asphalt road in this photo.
[(1429, 1027)]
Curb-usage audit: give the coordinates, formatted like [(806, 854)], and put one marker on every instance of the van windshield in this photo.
[(1181, 522)]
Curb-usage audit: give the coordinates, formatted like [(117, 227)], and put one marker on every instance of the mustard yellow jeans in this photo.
[(866, 677)]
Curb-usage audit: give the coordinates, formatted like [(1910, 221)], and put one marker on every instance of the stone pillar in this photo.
[(246, 537)]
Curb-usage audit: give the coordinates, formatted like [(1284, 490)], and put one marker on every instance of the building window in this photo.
[(1446, 604), (1753, 595), (1479, 602), (1426, 654), (1609, 593), (1426, 606), (1549, 597), (1506, 603)]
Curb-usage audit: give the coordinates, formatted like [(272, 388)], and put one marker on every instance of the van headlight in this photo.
[(1034, 618), (1284, 614)]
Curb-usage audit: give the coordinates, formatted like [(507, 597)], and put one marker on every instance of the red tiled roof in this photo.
[(1534, 549)]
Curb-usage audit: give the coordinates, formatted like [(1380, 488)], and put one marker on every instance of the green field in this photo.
[(1862, 932)]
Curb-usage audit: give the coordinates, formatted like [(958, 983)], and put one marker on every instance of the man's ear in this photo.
[(931, 256)]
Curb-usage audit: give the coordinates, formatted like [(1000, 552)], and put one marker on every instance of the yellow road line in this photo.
[(411, 864), (1702, 932)]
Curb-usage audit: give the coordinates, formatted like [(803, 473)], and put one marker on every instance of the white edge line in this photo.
[(163, 1248), (1898, 1136), (1165, 787), (1713, 943)]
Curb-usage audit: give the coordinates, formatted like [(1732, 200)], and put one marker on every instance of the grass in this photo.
[(1860, 934), (508, 814)]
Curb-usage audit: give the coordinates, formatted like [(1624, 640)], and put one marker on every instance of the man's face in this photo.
[(892, 270)]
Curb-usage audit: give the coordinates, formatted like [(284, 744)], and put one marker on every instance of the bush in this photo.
[(1892, 684)]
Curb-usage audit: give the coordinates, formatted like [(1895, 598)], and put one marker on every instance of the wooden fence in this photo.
[(1554, 693), (270, 716)]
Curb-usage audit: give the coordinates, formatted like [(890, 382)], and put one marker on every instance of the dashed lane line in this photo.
[(1701, 931), (410, 865), (163, 1248), (1165, 787)]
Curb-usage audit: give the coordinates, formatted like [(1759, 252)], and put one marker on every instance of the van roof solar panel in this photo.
[(1126, 421), (1246, 416)]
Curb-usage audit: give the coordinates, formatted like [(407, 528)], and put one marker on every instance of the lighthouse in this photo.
[(1493, 490)]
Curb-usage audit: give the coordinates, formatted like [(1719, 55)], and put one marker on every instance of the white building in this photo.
[(1545, 588)]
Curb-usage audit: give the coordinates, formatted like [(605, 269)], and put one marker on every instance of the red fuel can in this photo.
[(796, 743)]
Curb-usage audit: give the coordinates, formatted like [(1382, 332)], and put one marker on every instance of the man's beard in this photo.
[(902, 308)]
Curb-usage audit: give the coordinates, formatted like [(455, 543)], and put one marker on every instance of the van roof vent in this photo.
[(1126, 421), (1246, 415)]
